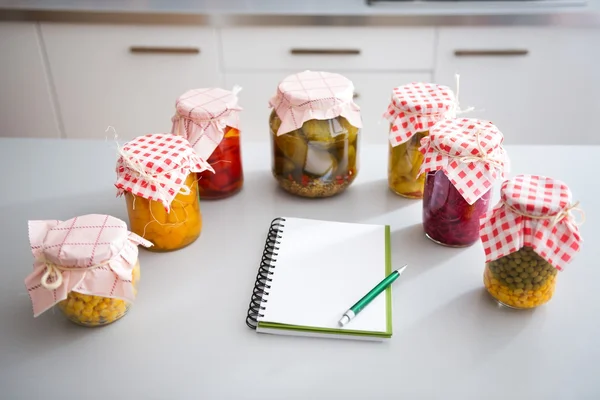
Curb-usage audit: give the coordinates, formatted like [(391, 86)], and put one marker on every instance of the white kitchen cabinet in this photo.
[(26, 103), (373, 94), (328, 48), (127, 77), (538, 85)]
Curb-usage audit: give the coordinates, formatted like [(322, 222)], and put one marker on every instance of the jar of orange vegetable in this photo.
[(156, 173), (528, 237), (315, 130), (413, 109), (209, 120), (87, 265), (463, 158)]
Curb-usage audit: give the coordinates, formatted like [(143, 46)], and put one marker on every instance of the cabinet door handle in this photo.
[(491, 53), (355, 95), (337, 52), (163, 50)]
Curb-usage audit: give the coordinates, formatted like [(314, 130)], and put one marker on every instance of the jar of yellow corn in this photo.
[(528, 237), (157, 175), (87, 265), (413, 109)]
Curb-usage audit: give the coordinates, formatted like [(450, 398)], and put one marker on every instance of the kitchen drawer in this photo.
[(538, 85), (373, 94), (101, 81), (26, 105), (328, 48)]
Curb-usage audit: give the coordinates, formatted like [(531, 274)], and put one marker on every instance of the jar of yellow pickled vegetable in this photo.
[(209, 120), (315, 128), (87, 265), (157, 175), (413, 109), (528, 237)]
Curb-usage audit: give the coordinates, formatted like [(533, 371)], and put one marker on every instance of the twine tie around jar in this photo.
[(556, 218), (481, 157), (56, 271)]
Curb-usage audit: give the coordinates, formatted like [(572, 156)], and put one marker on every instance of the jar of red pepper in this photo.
[(462, 160), (209, 119), (529, 236)]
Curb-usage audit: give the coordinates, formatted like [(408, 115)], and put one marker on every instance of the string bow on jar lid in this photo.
[(537, 212), (91, 254), (201, 117), (314, 95), (416, 107), (155, 167), (470, 153)]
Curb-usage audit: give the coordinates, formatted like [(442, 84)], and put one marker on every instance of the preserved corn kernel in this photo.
[(167, 230), (88, 310), (404, 164), (226, 160), (521, 279)]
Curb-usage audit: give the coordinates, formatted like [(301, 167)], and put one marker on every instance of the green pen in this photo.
[(367, 298)]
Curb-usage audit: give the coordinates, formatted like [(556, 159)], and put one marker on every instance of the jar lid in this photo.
[(92, 254), (155, 167), (201, 116), (416, 107), (314, 95), (534, 211), (469, 151)]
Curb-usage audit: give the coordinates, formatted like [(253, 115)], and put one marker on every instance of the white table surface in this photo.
[(186, 337)]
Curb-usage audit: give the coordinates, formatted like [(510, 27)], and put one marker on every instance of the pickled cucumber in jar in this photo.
[(404, 164), (317, 160)]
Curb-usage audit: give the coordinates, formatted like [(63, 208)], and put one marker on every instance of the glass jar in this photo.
[(227, 163), (92, 311), (317, 160), (404, 164), (448, 219), (167, 230), (521, 279)]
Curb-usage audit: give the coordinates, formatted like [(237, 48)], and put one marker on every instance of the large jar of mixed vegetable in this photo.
[(414, 108), (462, 160), (528, 237), (157, 175), (315, 127), (88, 266), (209, 120)]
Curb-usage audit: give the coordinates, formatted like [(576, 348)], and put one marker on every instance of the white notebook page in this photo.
[(322, 269)]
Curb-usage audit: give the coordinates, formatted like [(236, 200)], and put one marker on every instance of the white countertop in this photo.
[(186, 337)]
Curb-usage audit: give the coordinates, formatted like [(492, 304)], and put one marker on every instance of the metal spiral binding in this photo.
[(261, 285)]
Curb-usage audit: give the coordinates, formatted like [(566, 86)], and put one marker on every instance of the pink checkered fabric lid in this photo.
[(470, 153), (416, 107), (314, 95), (201, 117), (91, 254), (155, 167), (534, 211)]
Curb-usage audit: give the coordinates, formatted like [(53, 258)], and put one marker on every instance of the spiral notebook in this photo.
[(312, 271)]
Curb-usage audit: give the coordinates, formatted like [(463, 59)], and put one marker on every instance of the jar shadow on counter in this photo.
[(474, 326), (411, 246)]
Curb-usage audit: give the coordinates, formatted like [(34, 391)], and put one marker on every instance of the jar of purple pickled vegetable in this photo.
[(529, 236), (462, 160)]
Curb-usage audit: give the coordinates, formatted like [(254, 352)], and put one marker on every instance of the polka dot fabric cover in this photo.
[(202, 115), (314, 95), (469, 152), (527, 216), (81, 244), (165, 160), (416, 107)]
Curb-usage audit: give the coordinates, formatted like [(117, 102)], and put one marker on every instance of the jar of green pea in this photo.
[(528, 238)]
